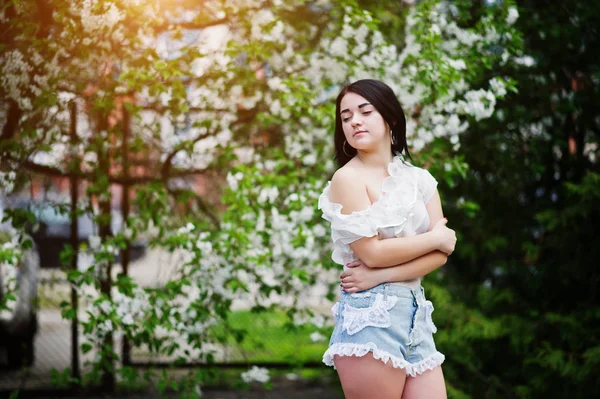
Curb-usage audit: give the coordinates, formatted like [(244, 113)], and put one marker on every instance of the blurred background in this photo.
[(161, 163)]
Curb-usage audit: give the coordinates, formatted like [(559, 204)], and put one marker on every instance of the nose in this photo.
[(356, 121)]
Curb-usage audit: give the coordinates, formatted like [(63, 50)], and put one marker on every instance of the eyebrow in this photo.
[(360, 106)]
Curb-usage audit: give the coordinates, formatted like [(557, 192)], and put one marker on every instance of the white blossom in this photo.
[(526, 60), (8, 278), (513, 14), (591, 151), (14, 76), (498, 87), (258, 374), (317, 337), (478, 103), (105, 327), (7, 181), (309, 159), (318, 321), (127, 320), (94, 241), (457, 64), (319, 230), (106, 307), (233, 180), (268, 194)]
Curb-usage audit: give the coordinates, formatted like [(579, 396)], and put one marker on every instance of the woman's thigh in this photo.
[(366, 377), (429, 385)]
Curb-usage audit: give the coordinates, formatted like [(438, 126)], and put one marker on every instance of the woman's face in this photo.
[(363, 125)]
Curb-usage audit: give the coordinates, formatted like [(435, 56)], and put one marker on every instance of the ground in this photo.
[(285, 390)]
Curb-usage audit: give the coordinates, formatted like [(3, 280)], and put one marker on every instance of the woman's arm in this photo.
[(360, 277), (347, 189)]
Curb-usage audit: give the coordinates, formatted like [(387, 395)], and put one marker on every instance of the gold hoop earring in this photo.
[(344, 149)]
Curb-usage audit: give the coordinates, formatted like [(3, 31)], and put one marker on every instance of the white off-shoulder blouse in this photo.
[(399, 212)]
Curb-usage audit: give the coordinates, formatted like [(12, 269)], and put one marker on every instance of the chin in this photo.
[(364, 147)]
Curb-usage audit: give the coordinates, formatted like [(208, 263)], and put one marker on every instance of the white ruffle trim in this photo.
[(335, 310), (428, 316), (412, 370), (400, 192)]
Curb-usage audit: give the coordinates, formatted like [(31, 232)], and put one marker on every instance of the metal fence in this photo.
[(53, 343)]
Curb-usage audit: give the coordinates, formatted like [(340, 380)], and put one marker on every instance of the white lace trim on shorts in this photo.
[(412, 370)]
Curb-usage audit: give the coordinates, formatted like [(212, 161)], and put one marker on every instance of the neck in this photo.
[(375, 159)]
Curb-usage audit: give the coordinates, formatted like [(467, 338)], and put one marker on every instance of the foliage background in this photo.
[(516, 306), (519, 299)]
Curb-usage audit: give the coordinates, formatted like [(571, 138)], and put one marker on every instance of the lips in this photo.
[(359, 132)]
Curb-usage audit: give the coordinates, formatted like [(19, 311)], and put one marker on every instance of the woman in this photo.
[(388, 230)]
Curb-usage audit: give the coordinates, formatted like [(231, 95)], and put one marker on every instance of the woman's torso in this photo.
[(417, 221)]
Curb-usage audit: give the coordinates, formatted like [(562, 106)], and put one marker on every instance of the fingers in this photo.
[(356, 263), (347, 273), (348, 284), (350, 288)]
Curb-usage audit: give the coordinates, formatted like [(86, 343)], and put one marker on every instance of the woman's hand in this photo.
[(360, 277), (445, 236)]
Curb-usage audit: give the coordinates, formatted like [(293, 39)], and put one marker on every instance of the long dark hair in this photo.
[(382, 97)]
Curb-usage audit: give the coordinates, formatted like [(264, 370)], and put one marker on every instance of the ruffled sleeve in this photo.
[(345, 229), (427, 185)]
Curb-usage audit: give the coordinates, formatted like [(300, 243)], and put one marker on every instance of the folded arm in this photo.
[(362, 278), (350, 192)]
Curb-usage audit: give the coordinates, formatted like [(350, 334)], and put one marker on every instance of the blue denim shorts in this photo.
[(390, 320)]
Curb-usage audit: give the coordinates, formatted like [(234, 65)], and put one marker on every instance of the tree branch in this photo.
[(118, 179), (13, 114), (164, 172), (201, 204)]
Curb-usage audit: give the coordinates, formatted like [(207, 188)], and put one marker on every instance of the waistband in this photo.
[(398, 290)]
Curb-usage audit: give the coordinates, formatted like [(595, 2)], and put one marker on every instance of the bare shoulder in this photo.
[(348, 175), (348, 188)]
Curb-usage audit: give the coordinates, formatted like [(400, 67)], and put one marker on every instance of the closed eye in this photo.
[(347, 119)]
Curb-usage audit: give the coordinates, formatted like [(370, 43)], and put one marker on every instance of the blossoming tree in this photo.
[(151, 95)]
